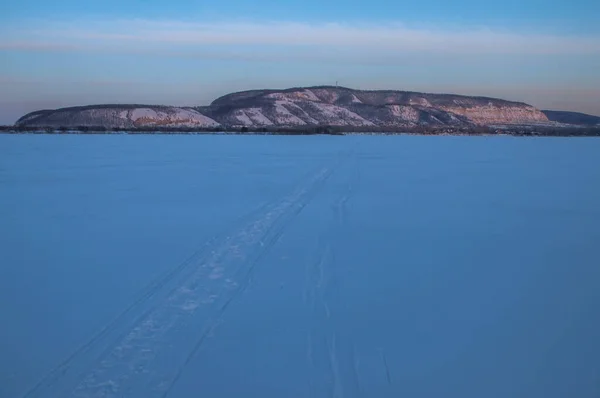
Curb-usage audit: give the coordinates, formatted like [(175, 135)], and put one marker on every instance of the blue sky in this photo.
[(67, 52)]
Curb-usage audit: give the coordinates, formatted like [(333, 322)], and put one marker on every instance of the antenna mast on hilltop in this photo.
[(336, 84)]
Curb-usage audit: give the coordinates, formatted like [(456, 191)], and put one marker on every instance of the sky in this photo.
[(184, 52)]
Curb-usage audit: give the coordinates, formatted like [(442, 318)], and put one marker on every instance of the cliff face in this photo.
[(335, 106)]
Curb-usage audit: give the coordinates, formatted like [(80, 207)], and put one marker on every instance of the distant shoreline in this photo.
[(519, 131)]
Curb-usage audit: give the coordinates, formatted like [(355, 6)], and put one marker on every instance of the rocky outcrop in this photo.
[(335, 106)]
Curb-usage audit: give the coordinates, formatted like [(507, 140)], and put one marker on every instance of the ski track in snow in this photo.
[(144, 350), (333, 364)]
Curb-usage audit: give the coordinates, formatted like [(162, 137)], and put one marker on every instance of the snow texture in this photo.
[(277, 266), (257, 117), (243, 118), (405, 113), (284, 116)]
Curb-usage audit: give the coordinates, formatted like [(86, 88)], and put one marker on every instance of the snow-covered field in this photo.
[(313, 266)]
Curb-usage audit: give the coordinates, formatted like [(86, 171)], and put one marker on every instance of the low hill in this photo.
[(572, 118), (296, 107)]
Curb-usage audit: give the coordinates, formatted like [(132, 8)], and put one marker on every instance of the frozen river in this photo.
[(315, 266)]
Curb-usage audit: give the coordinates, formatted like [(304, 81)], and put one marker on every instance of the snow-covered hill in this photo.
[(343, 106), (119, 116), (335, 106)]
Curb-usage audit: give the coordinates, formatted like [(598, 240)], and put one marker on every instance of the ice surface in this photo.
[(277, 266)]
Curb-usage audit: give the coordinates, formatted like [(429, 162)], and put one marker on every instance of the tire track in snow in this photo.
[(145, 349)]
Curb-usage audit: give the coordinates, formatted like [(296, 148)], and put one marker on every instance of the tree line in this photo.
[(325, 129)]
